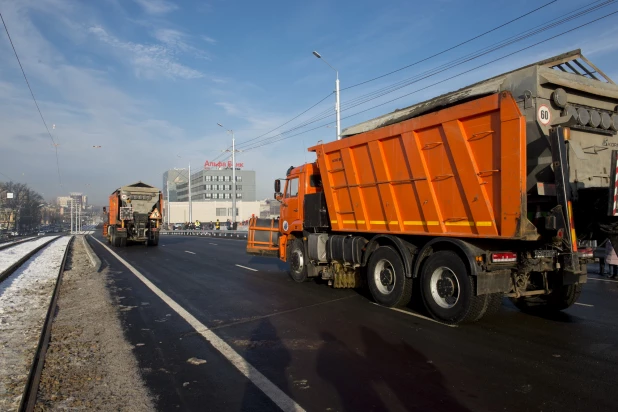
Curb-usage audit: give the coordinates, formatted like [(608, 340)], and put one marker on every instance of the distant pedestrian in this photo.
[(611, 259)]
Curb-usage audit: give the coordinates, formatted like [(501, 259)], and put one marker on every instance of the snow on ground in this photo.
[(13, 254), (24, 299)]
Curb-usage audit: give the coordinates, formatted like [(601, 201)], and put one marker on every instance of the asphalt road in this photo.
[(333, 350)]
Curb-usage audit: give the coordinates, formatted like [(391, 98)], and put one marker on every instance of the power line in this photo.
[(292, 119), (441, 81), (320, 115), (33, 98), (451, 48), (6, 176), (472, 56)]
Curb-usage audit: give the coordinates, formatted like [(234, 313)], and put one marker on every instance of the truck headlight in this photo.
[(606, 121), (560, 97), (595, 118), (583, 116)]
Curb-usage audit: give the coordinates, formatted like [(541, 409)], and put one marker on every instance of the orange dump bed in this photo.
[(457, 172)]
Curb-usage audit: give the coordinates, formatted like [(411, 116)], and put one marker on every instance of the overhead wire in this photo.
[(451, 48), (33, 98), (441, 81), (514, 39), (321, 114)]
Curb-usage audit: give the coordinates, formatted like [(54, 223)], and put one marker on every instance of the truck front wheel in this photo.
[(297, 261), (448, 290), (387, 281)]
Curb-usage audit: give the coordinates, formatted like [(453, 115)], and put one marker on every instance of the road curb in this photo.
[(94, 259)]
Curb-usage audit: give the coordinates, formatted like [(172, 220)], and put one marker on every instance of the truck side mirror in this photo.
[(104, 209), (278, 196), (277, 186)]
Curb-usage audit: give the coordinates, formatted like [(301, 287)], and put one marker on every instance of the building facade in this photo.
[(171, 179), (211, 211), (216, 184)]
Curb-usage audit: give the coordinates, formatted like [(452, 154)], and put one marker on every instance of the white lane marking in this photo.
[(416, 315), (244, 267), (584, 304), (210, 243), (271, 390), (186, 251), (603, 280)]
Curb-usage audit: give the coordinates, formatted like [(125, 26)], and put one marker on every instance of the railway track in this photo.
[(27, 258), (10, 244)]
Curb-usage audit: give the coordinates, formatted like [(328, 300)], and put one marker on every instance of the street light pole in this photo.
[(337, 106), (167, 205), (233, 174), (190, 204)]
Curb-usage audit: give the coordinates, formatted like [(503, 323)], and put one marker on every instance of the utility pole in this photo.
[(190, 204), (167, 206), (71, 212), (337, 111), (233, 173)]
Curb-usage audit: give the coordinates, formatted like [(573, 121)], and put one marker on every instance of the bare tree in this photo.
[(23, 210)]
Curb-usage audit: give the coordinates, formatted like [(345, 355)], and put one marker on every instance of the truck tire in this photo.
[(448, 290), (153, 242), (559, 299), (122, 241), (386, 278), (297, 260)]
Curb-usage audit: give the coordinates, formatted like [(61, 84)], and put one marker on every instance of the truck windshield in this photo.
[(291, 189)]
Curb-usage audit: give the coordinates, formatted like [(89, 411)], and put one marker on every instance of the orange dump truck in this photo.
[(443, 200), (134, 215)]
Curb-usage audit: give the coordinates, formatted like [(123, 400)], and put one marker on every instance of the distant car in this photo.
[(41, 234), (177, 226)]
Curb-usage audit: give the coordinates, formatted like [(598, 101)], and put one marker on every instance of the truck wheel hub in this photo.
[(297, 260), (446, 287), (386, 277)]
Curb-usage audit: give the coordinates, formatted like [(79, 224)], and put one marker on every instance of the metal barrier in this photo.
[(230, 234)]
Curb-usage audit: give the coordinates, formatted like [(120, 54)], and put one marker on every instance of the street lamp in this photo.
[(190, 203), (233, 175), (337, 111)]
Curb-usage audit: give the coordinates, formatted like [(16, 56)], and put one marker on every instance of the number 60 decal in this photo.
[(544, 115)]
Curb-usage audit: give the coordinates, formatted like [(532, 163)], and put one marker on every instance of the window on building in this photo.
[(208, 196), (238, 195), (215, 195), (239, 178), (238, 187), (208, 178), (292, 188), (229, 187), (219, 178), (227, 196), (229, 211), (208, 187), (221, 211)]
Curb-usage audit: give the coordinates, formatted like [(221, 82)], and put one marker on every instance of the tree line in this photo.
[(22, 211)]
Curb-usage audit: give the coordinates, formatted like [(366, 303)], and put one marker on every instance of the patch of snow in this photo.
[(24, 300), (13, 254)]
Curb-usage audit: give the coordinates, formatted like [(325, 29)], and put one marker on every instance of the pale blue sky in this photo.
[(148, 80)]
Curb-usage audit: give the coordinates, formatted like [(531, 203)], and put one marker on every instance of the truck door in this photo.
[(290, 206)]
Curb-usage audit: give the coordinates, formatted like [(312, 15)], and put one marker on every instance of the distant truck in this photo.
[(475, 194), (134, 215)]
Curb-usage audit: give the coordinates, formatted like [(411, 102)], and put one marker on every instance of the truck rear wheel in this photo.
[(449, 291), (153, 242), (387, 281), (297, 260)]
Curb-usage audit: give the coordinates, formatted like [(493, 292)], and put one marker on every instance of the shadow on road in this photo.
[(263, 340), (382, 376)]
